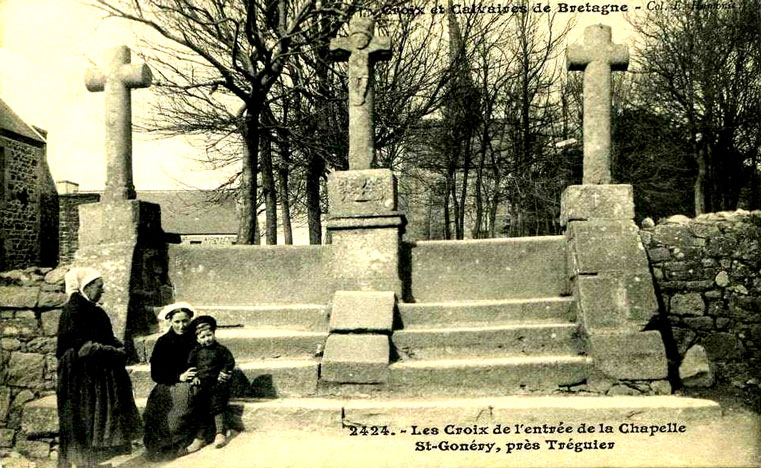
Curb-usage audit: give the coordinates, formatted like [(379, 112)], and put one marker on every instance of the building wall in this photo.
[(26, 194), (68, 233)]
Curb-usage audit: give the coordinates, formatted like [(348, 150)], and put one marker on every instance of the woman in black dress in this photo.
[(169, 425), (96, 409)]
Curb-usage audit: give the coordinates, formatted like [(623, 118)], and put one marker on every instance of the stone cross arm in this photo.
[(378, 49), (597, 46), (119, 68)]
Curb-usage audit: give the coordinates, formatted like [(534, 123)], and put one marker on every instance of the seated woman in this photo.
[(96, 410), (169, 425)]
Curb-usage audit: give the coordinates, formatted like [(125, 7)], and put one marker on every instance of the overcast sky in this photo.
[(45, 47)]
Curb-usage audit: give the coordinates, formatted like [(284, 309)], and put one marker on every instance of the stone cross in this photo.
[(362, 50), (597, 57), (117, 79)]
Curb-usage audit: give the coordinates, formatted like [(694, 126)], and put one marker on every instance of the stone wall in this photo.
[(30, 307), (68, 234), (20, 209), (708, 276)]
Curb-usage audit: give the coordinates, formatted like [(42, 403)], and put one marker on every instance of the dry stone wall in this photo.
[(708, 276), (30, 307)]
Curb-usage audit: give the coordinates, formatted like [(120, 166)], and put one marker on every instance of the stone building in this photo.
[(28, 197)]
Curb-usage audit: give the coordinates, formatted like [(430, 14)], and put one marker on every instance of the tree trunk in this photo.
[(248, 232), (315, 169), (283, 169), (268, 187)]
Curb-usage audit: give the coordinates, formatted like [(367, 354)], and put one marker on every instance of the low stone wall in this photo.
[(30, 307), (708, 276)]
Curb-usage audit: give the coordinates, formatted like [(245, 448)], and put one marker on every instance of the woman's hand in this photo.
[(224, 376), (188, 375)]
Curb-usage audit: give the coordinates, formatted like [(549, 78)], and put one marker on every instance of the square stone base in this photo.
[(356, 359), (365, 192), (586, 202), (121, 221), (363, 311), (630, 356)]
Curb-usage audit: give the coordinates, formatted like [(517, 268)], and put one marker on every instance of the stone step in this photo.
[(487, 269), (269, 378), (503, 340), (251, 275), (306, 317), (493, 312), (255, 343), (488, 376)]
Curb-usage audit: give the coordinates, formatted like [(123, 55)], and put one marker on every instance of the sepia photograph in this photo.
[(380, 233)]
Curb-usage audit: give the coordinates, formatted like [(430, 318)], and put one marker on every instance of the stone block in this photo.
[(723, 347), (50, 321), (606, 246), (50, 299), (365, 253), (5, 403), (115, 222), (41, 345), (25, 370), (10, 344), (689, 304), (630, 356), (363, 311), (35, 449), (19, 297), (7, 437), (40, 418), (356, 359), (619, 300), (661, 387), (56, 276), (585, 202), (695, 370), (362, 193)]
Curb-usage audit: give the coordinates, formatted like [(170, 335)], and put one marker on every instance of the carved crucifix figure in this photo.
[(362, 50), (116, 80), (597, 57)]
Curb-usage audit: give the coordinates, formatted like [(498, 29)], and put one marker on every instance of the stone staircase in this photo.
[(482, 317)]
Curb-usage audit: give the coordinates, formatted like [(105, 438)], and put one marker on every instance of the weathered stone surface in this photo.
[(601, 306), (630, 356), (368, 192), (597, 57), (25, 369), (658, 254), (7, 437), (16, 460), (723, 346), (56, 276), (362, 49), (18, 296), (700, 323), (661, 387), (621, 389), (41, 345), (50, 299), (5, 403), (648, 223), (40, 419), (50, 321), (356, 359), (722, 279), (690, 304), (606, 246), (10, 344), (695, 370), (585, 202), (34, 449), (23, 397), (369, 311)]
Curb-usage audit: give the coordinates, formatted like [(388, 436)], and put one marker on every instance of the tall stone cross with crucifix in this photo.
[(362, 49), (597, 57), (117, 79)]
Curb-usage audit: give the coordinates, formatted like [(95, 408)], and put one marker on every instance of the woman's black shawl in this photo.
[(96, 408)]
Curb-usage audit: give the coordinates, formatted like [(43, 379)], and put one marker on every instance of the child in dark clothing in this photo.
[(210, 359)]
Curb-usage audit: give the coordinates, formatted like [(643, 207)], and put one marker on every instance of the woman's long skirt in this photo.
[(168, 418)]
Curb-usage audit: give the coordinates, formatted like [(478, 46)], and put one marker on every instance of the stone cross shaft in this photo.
[(361, 49), (117, 79), (597, 57)]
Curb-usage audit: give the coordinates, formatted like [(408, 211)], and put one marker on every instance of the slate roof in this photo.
[(13, 125), (193, 212)]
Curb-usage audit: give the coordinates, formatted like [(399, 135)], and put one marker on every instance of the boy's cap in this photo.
[(203, 322)]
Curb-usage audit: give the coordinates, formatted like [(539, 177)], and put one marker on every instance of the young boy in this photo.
[(210, 359)]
